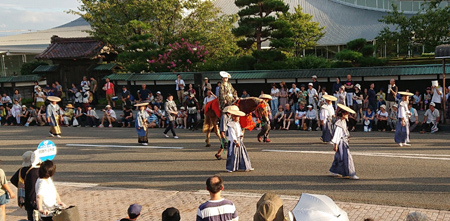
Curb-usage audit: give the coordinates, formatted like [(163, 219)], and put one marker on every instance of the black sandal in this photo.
[(218, 157)]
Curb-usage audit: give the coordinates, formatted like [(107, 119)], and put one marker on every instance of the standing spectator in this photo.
[(275, 93), (179, 87), (192, 108), (414, 118), (17, 97), (127, 116), (278, 118), (431, 119), (382, 117), (171, 113), (245, 94), (287, 117), (206, 86), (94, 87), (181, 118), (110, 92), (218, 88), (311, 118), (126, 97), (302, 95), (417, 101), (191, 90), (372, 97), (6, 100), (5, 194), (283, 94), (315, 83), (86, 98), (381, 97), (134, 211), (300, 116), (144, 94), (216, 208), (58, 89), (391, 95), (84, 82), (393, 117), (293, 97), (91, 117), (437, 95), (171, 214), (350, 89), (369, 119), (358, 98), (365, 101), (341, 96), (54, 116), (313, 96), (36, 85), (336, 86), (209, 97), (109, 115), (29, 173), (47, 198), (159, 99)]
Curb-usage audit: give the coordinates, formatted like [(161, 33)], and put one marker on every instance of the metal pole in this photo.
[(443, 90)]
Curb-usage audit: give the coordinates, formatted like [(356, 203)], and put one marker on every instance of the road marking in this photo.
[(80, 185), (392, 155), (118, 146)]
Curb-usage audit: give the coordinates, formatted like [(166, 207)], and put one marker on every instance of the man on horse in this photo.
[(227, 94)]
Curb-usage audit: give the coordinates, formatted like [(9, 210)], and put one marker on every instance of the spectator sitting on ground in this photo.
[(159, 99), (9, 119), (134, 211), (24, 115), (109, 115), (416, 216), (278, 118), (393, 117), (300, 115), (33, 116), (171, 214), (160, 115), (126, 96), (217, 208), (42, 115), (181, 118), (6, 100), (91, 117), (311, 118), (79, 116), (127, 116), (287, 117), (417, 99), (414, 117), (382, 117), (269, 208), (369, 117), (430, 119), (152, 119), (68, 115)]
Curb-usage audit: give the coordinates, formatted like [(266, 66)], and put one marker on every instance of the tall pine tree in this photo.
[(259, 23)]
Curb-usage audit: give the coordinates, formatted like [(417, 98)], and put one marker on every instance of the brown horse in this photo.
[(246, 105)]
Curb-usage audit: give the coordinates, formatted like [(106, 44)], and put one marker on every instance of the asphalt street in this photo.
[(296, 162)]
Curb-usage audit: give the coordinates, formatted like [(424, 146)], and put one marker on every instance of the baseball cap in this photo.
[(134, 210), (310, 84)]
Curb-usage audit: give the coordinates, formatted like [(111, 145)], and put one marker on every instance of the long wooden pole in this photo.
[(443, 91)]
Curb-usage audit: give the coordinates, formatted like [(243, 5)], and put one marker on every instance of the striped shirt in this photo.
[(217, 210)]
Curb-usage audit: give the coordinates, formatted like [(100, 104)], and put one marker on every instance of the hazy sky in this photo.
[(19, 15)]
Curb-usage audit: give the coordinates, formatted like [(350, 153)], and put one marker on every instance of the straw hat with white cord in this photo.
[(329, 97), (265, 96), (234, 110), (404, 93), (54, 98), (141, 104), (345, 108)]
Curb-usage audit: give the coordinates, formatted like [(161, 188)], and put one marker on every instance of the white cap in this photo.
[(310, 84)]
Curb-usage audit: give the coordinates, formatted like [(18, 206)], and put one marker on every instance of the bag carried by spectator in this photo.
[(75, 122), (21, 188), (71, 213)]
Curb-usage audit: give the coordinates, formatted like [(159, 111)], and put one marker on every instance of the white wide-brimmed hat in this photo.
[(107, 106), (383, 106), (141, 104), (343, 107), (433, 104), (358, 86), (26, 158), (234, 110), (404, 93), (225, 74), (329, 97), (53, 98), (265, 96)]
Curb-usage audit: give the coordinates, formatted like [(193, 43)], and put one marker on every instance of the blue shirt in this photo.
[(144, 94)]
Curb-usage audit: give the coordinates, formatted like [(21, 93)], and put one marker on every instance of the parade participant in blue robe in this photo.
[(53, 116), (402, 129), (326, 118), (237, 157), (141, 124)]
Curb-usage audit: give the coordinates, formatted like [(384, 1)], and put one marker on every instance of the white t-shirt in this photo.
[(414, 115), (112, 112), (432, 116), (47, 190), (436, 97), (274, 91), (311, 94), (300, 113), (40, 97), (177, 82), (208, 99), (385, 114)]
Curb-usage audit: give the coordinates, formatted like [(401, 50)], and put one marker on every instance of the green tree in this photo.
[(306, 33), (29, 67), (359, 54), (258, 23)]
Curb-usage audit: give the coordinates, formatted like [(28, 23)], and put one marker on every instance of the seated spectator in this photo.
[(15, 111), (278, 118), (134, 211), (109, 115), (269, 207), (32, 117), (414, 118), (2, 115), (181, 118), (91, 117), (68, 115), (79, 116), (311, 118), (300, 116), (171, 214), (159, 99), (160, 115), (24, 115), (152, 120), (417, 101), (9, 119), (42, 116), (369, 117), (393, 117), (287, 117), (382, 117), (352, 120), (127, 116), (217, 208), (6, 100), (431, 119)]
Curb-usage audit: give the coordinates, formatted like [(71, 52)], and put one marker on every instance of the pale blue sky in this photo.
[(19, 15)]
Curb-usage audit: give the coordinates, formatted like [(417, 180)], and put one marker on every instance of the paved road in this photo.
[(416, 176)]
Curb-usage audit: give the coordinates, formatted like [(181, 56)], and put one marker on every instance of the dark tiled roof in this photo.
[(72, 48), (45, 68), (105, 67), (20, 78)]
